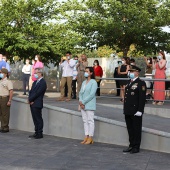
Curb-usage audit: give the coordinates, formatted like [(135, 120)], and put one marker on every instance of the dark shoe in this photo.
[(73, 97), (24, 93), (134, 150), (38, 136), (4, 131), (127, 149), (33, 136)]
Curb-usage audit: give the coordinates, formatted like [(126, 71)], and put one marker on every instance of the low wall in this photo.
[(67, 123)]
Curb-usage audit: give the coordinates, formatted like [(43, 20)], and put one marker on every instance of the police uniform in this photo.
[(134, 101), (5, 86)]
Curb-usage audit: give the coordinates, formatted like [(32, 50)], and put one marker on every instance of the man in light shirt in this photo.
[(4, 58), (26, 75), (2, 62), (67, 76)]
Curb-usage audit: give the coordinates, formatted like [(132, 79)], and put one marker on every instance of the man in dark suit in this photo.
[(134, 103), (35, 100)]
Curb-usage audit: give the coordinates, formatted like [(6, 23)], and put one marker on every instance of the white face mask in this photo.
[(33, 62), (148, 61), (27, 62), (36, 58), (123, 62), (3, 59)]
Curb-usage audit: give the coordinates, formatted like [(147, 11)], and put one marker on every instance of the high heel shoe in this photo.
[(89, 141), (85, 140)]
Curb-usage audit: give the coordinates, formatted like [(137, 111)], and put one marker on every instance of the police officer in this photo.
[(6, 93), (134, 103)]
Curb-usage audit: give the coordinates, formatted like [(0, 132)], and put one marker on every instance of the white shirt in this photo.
[(68, 68), (26, 69)]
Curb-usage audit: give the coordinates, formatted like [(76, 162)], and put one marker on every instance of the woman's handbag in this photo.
[(97, 78)]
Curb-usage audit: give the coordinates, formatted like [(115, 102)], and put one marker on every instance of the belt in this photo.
[(3, 97)]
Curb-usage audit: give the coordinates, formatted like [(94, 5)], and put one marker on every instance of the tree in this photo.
[(121, 23), (31, 27)]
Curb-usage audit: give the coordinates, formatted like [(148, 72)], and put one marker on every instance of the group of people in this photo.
[(73, 70), (28, 71), (155, 68), (133, 93)]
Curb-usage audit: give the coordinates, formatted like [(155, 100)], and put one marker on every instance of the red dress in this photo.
[(159, 85)]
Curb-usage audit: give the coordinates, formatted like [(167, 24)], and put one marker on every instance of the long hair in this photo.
[(96, 61), (163, 54), (91, 71), (127, 59)]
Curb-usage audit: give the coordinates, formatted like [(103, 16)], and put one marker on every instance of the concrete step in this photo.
[(62, 122)]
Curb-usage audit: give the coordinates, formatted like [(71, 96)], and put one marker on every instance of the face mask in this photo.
[(148, 61), (76, 61), (95, 64), (131, 75), (159, 57), (131, 64), (33, 62), (1, 75), (123, 62), (3, 59), (27, 62), (68, 57), (36, 76), (86, 75), (36, 58)]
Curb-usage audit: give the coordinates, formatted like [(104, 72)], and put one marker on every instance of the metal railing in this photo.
[(142, 78)]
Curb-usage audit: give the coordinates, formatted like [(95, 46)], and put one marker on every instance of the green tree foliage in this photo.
[(31, 27), (121, 23)]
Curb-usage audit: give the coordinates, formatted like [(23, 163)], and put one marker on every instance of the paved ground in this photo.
[(149, 121), (53, 153)]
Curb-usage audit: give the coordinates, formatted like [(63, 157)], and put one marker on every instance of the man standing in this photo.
[(134, 103), (74, 81), (7, 65), (67, 76), (2, 62), (35, 100), (6, 93)]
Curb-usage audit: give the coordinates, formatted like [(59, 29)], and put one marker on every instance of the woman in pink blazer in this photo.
[(38, 64)]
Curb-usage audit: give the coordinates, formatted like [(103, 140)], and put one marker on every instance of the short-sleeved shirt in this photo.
[(5, 86), (2, 64)]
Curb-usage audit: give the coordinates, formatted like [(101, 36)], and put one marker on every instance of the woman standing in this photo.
[(38, 64), (87, 102), (159, 86), (26, 75), (98, 71), (81, 65), (123, 73)]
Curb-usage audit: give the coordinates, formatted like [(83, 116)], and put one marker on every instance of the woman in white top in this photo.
[(26, 75)]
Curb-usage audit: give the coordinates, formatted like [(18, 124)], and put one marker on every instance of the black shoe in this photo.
[(73, 97), (39, 136), (4, 131), (33, 136), (134, 150), (24, 93), (127, 149)]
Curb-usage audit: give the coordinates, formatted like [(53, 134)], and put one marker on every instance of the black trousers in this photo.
[(74, 88), (66, 90), (26, 78), (37, 119), (117, 87), (134, 127), (98, 88)]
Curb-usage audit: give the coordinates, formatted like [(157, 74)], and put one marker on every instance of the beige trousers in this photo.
[(69, 84)]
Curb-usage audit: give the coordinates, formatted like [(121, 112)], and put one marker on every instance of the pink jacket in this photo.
[(38, 64)]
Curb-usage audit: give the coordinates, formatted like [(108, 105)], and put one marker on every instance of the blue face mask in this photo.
[(131, 75), (159, 57), (86, 75), (36, 76), (1, 75)]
